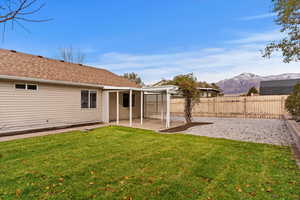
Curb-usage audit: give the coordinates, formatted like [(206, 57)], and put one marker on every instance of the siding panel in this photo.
[(49, 106)]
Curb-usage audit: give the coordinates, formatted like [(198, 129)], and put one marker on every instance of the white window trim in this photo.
[(26, 87), (89, 99)]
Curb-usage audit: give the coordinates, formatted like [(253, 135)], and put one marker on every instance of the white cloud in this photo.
[(259, 37), (210, 64), (263, 16)]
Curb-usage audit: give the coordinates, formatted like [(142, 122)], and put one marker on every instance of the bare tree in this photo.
[(18, 11), (69, 54)]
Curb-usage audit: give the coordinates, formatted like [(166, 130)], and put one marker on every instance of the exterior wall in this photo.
[(124, 112), (49, 106)]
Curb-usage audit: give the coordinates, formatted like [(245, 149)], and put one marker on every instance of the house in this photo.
[(209, 92), (278, 87), (40, 93)]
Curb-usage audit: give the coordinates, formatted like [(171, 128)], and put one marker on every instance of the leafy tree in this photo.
[(288, 17), (251, 91), (292, 103), (187, 86), (215, 86), (134, 77)]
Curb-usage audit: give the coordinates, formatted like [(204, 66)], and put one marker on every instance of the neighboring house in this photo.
[(278, 87), (209, 92), (38, 93), (205, 92)]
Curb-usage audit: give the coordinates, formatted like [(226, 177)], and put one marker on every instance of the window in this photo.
[(21, 86), (93, 99), (88, 99), (84, 99), (31, 87), (126, 100)]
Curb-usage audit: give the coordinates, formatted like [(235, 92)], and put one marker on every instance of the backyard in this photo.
[(125, 163)]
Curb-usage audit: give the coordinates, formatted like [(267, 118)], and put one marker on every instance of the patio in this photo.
[(149, 124), (134, 107)]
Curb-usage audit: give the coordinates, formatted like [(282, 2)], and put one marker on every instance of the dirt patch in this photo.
[(184, 127)]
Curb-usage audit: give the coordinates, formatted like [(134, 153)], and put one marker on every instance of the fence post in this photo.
[(214, 107), (282, 107), (245, 107)]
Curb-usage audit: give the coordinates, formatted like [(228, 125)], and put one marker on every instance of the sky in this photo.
[(214, 39)]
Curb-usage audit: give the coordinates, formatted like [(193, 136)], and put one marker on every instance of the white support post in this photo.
[(105, 107), (118, 108), (168, 110), (130, 108), (162, 107), (142, 107)]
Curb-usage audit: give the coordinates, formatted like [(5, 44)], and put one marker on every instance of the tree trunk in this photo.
[(188, 110)]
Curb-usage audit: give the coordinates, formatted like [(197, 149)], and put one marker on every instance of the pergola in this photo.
[(166, 91)]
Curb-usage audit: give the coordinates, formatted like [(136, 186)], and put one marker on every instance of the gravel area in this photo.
[(270, 131)]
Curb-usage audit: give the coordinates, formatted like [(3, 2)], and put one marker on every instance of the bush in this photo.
[(252, 91), (292, 103)]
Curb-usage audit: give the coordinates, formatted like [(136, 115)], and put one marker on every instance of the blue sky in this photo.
[(214, 39)]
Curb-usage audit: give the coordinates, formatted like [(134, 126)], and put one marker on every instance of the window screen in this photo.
[(21, 86), (84, 99), (31, 87), (93, 99)]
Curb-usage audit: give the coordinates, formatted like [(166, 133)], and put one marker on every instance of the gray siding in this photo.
[(278, 87), (49, 106)]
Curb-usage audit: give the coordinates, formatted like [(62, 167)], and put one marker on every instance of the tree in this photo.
[(288, 17), (69, 54), (18, 11), (292, 103), (252, 91), (215, 86), (134, 77), (188, 88)]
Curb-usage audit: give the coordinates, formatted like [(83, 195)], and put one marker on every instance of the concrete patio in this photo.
[(149, 124)]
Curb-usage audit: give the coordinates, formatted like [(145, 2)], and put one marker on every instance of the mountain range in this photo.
[(243, 82)]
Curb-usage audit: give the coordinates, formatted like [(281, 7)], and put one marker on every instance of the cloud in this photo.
[(258, 37), (209, 64), (255, 17)]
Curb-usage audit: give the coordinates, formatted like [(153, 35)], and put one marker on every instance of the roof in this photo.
[(209, 89), (160, 83), (18, 64)]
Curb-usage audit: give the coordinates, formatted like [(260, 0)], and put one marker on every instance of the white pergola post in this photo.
[(168, 109), (142, 107), (130, 108), (118, 110), (105, 107), (162, 107)]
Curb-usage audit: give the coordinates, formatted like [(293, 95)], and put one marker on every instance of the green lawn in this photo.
[(123, 163)]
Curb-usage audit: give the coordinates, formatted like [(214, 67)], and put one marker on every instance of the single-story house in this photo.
[(209, 92), (38, 92), (278, 87), (205, 92)]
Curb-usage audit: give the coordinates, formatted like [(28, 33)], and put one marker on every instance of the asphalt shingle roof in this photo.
[(18, 64)]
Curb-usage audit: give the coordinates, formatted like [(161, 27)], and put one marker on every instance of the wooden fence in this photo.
[(270, 107)]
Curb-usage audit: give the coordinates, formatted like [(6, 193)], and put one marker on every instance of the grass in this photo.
[(124, 163)]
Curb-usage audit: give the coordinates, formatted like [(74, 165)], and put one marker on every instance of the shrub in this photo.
[(292, 103), (252, 91)]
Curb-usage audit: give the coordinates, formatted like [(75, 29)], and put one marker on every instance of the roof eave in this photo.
[(17, 78)]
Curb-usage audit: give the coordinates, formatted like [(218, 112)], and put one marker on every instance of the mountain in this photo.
[(243, 82)]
